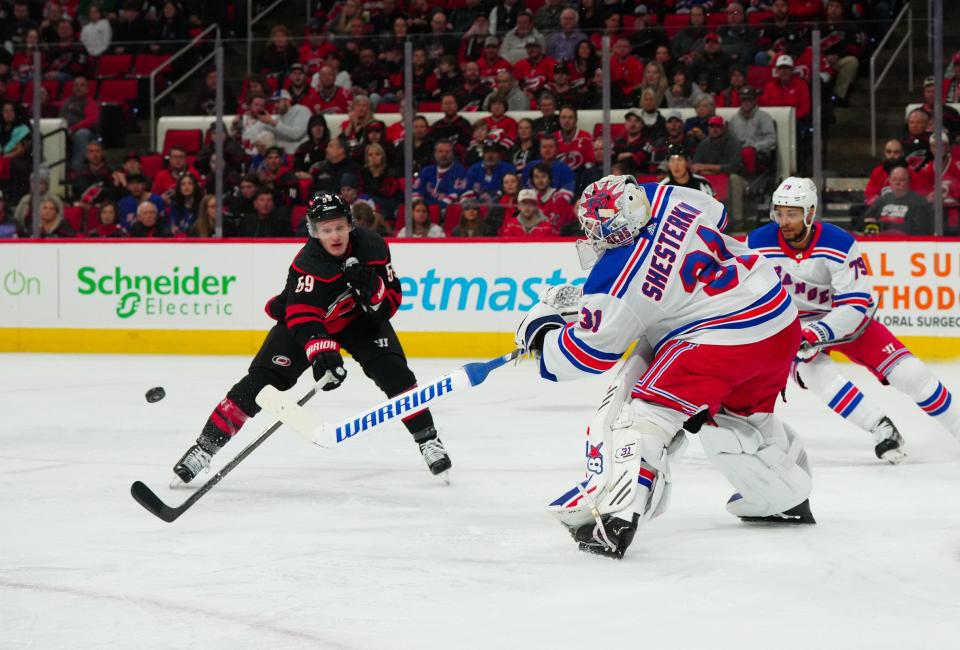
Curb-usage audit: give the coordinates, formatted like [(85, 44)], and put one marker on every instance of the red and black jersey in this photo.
[(317, 301)]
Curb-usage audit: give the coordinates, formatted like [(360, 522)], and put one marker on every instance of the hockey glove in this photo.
[(539, 320), (324, 355), (365, 282), (812, 341)]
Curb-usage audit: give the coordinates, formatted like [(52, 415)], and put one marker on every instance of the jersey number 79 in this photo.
[(706, 268)]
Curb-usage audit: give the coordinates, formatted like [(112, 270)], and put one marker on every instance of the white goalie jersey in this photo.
[(681, 278), (827, 279)]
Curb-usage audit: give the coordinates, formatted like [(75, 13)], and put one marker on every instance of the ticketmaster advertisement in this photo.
[(460, 299)]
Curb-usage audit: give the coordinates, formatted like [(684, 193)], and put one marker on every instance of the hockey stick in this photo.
[(395, 408), (852, 336), (149, 500)]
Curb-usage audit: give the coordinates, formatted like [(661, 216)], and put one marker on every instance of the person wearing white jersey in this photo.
[(716, 334), (821, 267)]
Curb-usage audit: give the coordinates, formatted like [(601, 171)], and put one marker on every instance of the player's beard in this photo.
[(799, 238)]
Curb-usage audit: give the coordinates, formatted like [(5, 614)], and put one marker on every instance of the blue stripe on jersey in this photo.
[(608, 268), (607, 356), (657, 220), (546, 374), (834, 237)]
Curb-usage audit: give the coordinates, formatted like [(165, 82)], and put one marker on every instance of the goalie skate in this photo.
[(609, 537)]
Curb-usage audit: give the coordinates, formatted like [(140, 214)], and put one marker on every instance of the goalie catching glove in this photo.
[(324, 355), (557, 307)]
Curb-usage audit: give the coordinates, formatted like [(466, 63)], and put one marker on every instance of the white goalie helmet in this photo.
[(612, 211), (796, 192)]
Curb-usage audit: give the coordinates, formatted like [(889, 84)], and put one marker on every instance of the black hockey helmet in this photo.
[(326, 206)]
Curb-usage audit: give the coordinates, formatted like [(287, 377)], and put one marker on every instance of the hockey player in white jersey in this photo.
[(821, 267), (716, 334)]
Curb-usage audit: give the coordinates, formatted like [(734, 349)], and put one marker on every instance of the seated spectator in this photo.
[(951, 118), (314, 150), (653, 79), (626, 70), (368, 218), (506, 206), (341, 15), (574, 145), (720, 153), (16, 148), (172, 34), (183, 208), (560, 173), (445, 78), (923, 182), (421, 72), (675, 137), (9, 229), (52, 223), (562, 44), (443, 182), (630, 146), (353, 130), (299, 88), (206, 224), (280, 179), (132, 32), (265, 220), (753, 127), (327, 174), (315, 49), (422, 143), (553, 203), (484, 178), (514, 46), (490, 62), (679, 172), (898, 211), (507, 89), (369, 78), (472, 89), (593, 94), (526, 148), (683, 93), (730, 96), (251, 123), (774, 33), (82, 115), (351, 194), (66, 59), (879, 182), (205, 102), (592, 14), (240, 203), (380, 183), (331, 98), (96, 34), (439, 41), (696, 126), (94, 172), (690, 39), (500, 127), (595, 173), (278, 54), (547, 18), (549, 120), (474, 152), (418, 224), (452, 126), (612, 28), (288, 123), (585, 63), (148, 223), (529, 220), (23, 212), (564, 89), (786, 89), (843, 44), (107, 226), (648, 35), (711, 65), (166, 180), (916, 139), (652, 121), (471, 224), (474, 34), (738, 40), (138, 192)]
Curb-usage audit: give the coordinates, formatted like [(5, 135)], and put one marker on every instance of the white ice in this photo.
[(359, 547)]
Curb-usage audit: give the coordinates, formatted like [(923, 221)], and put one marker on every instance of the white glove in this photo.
[(557, 307)]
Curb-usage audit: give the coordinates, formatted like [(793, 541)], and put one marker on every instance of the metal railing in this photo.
[(905, 13), (154, 97), (253, 20)]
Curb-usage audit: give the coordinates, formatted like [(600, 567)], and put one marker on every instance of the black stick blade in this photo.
[(145, 497)]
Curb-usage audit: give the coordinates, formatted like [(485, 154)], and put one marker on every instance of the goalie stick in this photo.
[(149, 500), (398, 406)]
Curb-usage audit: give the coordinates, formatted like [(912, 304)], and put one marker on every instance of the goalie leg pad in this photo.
[(763, 458)]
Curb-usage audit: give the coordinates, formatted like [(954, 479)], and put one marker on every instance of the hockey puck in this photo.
[(156, 394)]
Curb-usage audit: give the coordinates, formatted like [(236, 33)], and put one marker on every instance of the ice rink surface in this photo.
[(359, 547)]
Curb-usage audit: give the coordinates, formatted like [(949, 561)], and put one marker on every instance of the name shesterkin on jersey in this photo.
[(682, 216), (401, 405)]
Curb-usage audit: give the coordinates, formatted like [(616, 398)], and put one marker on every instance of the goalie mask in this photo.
[(612, 212), (795, 192)]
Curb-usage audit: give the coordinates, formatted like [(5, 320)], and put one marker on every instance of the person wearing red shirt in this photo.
[(787, 89), (529, 220), (316, 48), (533, 72), (626, 70), (880, 175), (332, 98), (553, 203), (502, 128), (166, 179), (574, 145), (491, 61)]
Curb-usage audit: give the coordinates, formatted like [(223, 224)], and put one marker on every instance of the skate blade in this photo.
[(444, 476), (177, 483), (894, 457)]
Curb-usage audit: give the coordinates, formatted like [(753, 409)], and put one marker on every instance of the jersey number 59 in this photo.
[(304, 284), (706, 268)]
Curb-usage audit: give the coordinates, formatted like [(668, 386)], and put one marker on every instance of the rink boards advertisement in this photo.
[(460, 299)]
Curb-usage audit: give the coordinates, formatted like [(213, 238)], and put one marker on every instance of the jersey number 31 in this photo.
[(707, 268)]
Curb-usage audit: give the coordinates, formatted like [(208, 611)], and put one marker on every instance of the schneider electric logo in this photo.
[(186, 292)]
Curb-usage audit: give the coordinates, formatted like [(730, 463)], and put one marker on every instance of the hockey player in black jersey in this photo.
[(341, 292)]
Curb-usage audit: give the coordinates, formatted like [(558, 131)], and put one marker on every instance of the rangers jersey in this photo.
[(680, 279), (827, 279)]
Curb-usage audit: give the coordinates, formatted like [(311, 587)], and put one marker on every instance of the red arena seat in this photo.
[(187, 139), (113, 65)]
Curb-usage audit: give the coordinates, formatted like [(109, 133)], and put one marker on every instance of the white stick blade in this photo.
[(286, 410)]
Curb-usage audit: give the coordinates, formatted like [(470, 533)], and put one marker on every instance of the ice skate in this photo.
[(610, 537), (434, 454), (193, 462), (889, 442), (798, 514)]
